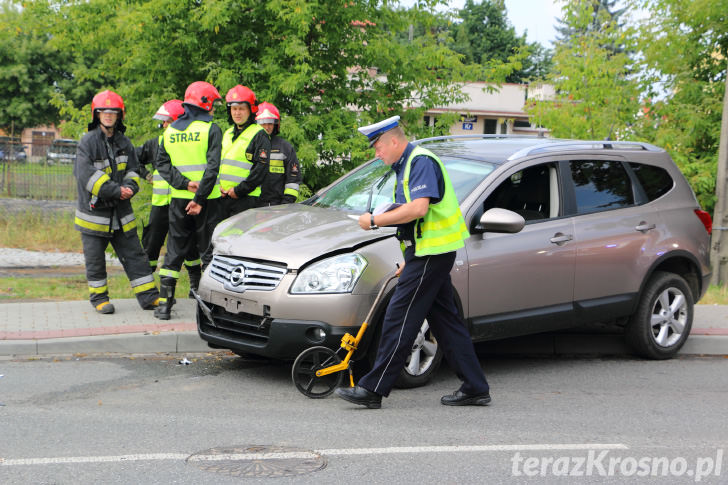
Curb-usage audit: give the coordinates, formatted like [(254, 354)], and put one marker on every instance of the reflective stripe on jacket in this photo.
[(103, 165)]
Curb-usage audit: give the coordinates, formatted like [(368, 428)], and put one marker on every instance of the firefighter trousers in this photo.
[(188, 233), (133, 259), (154, 234), (424, 290), (231, 206)]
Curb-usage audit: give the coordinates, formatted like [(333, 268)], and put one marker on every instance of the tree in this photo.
[(597, 96), (328, 66), (31, 69), (485, 34), (565, 30), (685, 46)]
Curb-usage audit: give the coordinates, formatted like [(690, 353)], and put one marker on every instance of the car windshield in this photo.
[(372, 184), (65, 148)]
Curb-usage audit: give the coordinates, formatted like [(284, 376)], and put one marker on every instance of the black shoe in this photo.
[(361, 396), (459, 398)]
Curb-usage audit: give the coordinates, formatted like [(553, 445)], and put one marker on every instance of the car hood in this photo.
[(293, 234)]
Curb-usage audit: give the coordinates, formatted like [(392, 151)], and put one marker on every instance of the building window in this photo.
[(489, 126)]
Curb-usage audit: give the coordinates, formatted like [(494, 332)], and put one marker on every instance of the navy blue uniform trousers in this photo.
[(424, 290)]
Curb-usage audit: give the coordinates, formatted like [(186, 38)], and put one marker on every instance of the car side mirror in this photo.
[(500, 220)]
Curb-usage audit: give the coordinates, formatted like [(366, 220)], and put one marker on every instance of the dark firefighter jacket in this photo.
[(103, 166), (283, 180)]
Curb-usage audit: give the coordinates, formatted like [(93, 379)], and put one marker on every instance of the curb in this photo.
[(52, 328)]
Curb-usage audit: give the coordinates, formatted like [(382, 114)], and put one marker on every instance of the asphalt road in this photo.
[(138, 420)]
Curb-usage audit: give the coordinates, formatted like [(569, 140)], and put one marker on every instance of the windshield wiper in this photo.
[(378, 185)]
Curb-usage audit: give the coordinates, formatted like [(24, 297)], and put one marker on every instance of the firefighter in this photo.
[(245, 149), (281, 184), (155, 231), (189, 159), (106, 172)]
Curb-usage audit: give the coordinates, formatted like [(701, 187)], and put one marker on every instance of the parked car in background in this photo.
[(563, 232), (62, 151), (12, 150)]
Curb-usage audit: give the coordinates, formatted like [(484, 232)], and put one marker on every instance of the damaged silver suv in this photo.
[(582, 231)]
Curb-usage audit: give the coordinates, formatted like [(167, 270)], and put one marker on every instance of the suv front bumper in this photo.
[(268, 337)]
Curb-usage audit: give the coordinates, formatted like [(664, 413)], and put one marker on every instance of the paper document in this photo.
[(385, 207)]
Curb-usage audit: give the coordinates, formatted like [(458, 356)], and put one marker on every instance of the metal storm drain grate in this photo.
[(258, 461)]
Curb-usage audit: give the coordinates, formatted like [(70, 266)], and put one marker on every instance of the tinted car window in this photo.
[(531, 192), (373, 184), (655, 181), (600, 185)]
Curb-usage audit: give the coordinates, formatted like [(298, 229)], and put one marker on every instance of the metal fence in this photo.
[(31, 171)]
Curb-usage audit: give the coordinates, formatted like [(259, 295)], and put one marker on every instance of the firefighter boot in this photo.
[(195, 273), (166, 301)]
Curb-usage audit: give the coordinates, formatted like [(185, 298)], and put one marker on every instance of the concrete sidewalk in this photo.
[(56, 328)]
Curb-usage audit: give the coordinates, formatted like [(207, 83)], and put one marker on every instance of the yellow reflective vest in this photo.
[(235, 166), (187, 150), (443, 229)]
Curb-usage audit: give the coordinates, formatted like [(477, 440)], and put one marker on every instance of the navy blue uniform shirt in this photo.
[(425, 180)]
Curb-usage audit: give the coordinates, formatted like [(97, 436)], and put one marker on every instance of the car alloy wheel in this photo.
[(662, 322), (423, 360)]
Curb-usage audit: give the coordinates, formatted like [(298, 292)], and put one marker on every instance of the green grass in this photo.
[(71, 288), (39, 231), (38, 181)]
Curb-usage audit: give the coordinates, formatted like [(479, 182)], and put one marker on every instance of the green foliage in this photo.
[(596, 94), (685, 45), (328, 66)]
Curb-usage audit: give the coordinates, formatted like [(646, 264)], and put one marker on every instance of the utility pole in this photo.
[(719, 240)]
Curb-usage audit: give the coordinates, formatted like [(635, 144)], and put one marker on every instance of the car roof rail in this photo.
[(558, 146), (474, 135)]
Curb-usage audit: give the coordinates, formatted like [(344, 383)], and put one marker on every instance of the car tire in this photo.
[(423, 361), (664, 317)]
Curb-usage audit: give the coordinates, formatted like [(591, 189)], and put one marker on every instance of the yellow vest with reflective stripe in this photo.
[(161, 190), (443, 229), (235, 166), (187, 149)]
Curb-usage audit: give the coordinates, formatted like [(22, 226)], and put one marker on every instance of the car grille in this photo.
[(244, 327), (239, 275)]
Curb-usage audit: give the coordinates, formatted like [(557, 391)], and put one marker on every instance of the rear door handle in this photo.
[(560, 238), (643, 227)]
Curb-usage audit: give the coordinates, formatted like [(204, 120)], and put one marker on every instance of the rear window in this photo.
[(600, 185), (655, 181)]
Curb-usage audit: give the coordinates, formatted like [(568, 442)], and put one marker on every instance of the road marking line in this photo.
[(309, 455)]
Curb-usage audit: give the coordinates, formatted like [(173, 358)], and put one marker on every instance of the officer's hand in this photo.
[(365, 221), (400, 267), (193, 186), (150, 177), (193, 208), (126, 193), (231, 193)]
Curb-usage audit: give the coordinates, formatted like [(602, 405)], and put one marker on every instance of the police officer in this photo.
[(283, 180), (431, 229), (106, 172), (189, 159), (155, 232), (245, 149)]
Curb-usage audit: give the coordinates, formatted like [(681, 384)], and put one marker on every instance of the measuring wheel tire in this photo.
[(304, 370)]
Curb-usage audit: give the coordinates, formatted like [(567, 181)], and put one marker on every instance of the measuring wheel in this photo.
[(304, 372)]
